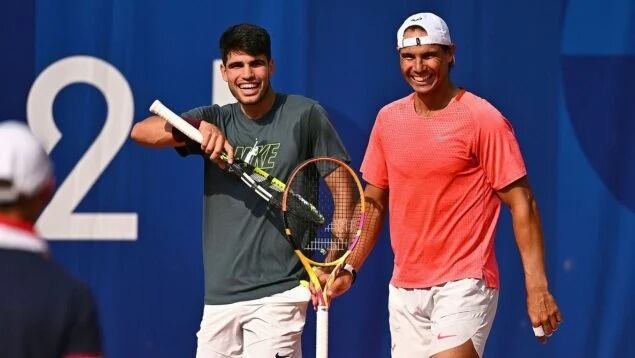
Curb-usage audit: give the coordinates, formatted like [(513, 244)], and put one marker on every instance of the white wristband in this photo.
[(351, 270)]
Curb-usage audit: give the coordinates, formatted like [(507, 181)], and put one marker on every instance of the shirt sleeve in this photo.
[(325, 141), (374, 170), (210, 114), (498, 151), (85, 336)]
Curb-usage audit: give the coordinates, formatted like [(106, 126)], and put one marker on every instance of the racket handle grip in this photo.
[(176, 121), (322, 332)]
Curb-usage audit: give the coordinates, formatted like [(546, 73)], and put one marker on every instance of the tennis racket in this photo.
[(262, 183), (331, 186)]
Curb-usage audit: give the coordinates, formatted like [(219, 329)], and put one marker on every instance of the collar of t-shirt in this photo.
[(17, 234)]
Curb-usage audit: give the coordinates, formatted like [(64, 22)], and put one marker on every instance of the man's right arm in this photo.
[(155, 132), (375, 213), (376, 201)]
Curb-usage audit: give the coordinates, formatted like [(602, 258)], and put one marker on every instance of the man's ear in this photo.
[(223, 71)]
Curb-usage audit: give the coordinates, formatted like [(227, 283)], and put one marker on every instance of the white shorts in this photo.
[(258, 328), (424, 322)]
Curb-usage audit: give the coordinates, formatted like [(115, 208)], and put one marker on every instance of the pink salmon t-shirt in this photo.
[(442, 173)]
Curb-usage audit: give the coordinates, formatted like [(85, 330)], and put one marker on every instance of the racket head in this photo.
[(331, 188)]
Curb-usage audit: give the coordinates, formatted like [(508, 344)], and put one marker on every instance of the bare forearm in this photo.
[(530, 241), (154, 131), (542, 308), (374, 212), (373, 222)]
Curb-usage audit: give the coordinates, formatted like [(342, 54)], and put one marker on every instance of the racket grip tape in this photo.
[(322, 332), (179, 123), (187, 128)]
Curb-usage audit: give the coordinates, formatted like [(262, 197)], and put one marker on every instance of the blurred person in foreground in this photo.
[(44, 312)]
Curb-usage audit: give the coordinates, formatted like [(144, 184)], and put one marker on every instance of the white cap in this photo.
[(23, 162), (436, 29)]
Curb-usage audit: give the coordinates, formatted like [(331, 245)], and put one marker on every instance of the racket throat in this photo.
[(252, 153), (262, 192)]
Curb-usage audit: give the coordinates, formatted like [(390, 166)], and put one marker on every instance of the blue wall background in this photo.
[(563, 72)]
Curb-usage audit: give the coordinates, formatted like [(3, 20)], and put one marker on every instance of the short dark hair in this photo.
[(250, 39)]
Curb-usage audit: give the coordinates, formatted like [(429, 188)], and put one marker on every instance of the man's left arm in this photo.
[(324, 139), (541, 305)]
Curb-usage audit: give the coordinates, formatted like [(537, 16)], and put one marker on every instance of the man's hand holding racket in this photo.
[(214, 144), (340, 285)]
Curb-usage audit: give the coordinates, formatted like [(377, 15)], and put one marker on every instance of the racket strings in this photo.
[(297, 205), (346, 216), (332, 190), (324, 244)]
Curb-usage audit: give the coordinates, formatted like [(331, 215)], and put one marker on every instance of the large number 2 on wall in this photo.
[(58, 221)]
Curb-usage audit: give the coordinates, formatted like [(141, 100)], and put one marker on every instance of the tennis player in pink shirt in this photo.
[(442, 160)]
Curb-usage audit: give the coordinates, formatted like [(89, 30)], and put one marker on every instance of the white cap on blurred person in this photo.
[(436, 29), (24, 166)]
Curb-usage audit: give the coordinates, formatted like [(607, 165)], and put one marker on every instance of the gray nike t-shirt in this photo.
[(245, 253)]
